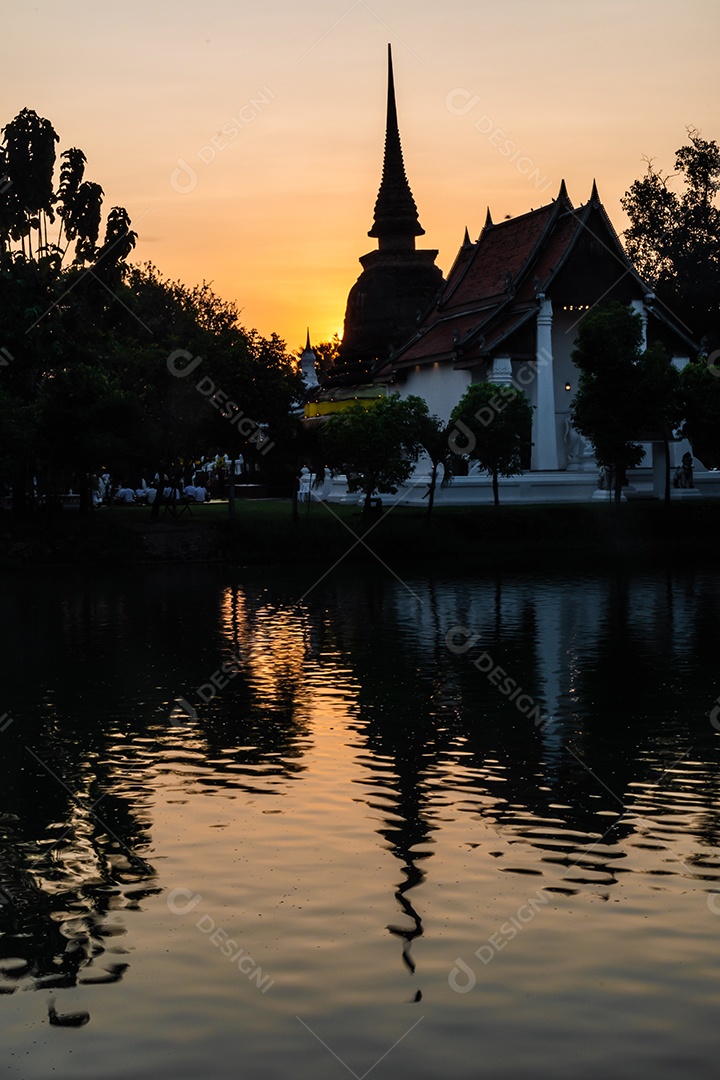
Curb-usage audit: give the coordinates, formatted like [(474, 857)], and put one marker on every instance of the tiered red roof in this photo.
[(495, 284)]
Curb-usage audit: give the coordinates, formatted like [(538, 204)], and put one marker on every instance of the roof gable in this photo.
[(494, 285), (498, 258)]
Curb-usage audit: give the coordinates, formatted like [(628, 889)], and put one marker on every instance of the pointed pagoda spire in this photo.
[(562, 195), (594, 197), (396, 218), (307, 364), (488, 220)]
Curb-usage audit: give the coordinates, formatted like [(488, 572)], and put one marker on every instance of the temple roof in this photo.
[(395, 210), (495, 286)]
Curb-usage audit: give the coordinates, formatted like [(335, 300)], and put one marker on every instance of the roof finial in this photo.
[(308, 347), (563, 194), (488, 220), (396, 218), (467, 242), (594, 197)]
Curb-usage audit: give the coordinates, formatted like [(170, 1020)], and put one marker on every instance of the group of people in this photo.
[(203, 479), (104, 491)]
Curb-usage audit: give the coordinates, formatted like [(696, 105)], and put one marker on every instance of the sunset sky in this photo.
[(276, 212)]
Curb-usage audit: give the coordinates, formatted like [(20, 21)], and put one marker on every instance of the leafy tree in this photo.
[(29, 202), (492, 425), (674, 238), (50, 314), (327, 353), (85, 418), (624, 396), (203, 379), (163, 342), (434, 436), (375, 446), (700, 406), (257, 384)]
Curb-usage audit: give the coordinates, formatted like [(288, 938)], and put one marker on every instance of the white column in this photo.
[(502, 371), (544, 451), (639, 308)]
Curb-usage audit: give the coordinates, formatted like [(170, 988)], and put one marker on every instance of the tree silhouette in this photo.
[(625, 395), (674, 237), (51, 315), (491, 424), (375, 446)]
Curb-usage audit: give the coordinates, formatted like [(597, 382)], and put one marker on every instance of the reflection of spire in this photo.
[(76, 1019), (396, 218), (414, 877), (406, 832)]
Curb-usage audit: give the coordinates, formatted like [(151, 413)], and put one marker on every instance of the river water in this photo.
[(256, 824)]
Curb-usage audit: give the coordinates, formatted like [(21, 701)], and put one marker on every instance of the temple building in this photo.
[(398, 281), (509, 314)]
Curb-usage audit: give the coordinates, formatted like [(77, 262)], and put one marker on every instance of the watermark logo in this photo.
[(191, 363), (184, 178), (183, 714), (181, 901), (712, 363), (181, 364), (461, 440), (715, 714), (462, 978), (6, 357), (461, 102), (460, 640)]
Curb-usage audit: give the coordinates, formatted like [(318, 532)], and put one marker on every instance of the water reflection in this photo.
[(621, 778), (69, 864), (621, 667)]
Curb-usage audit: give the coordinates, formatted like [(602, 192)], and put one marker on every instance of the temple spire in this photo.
[(307, 364), (396, 218)]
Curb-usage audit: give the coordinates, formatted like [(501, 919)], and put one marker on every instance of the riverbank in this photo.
[(265, 533)]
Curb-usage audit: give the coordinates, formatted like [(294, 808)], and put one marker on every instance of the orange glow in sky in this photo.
[(246, 140)]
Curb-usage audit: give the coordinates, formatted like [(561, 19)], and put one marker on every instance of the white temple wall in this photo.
[(440, 385), (565, 330)]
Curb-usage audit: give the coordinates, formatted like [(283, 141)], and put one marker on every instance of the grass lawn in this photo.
[(264, 532)]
